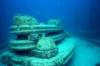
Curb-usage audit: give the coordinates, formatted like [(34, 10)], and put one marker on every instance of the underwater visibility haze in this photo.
[(64, 32)]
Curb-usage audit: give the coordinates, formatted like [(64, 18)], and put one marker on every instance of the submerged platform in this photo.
[(34, 44), (66, 50)]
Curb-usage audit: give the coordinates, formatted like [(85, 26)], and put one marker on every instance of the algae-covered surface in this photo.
[(86, 54)]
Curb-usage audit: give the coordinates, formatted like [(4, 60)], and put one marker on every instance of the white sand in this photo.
[(86, 54)]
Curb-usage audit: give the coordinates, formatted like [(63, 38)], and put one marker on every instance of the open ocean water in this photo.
[(81, 18)]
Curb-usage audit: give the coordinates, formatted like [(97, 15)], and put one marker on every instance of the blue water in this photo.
[(81, 18)]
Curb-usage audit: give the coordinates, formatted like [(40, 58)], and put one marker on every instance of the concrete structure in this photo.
[(35, 44)]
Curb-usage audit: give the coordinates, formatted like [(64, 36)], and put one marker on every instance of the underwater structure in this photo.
[(34, 44)]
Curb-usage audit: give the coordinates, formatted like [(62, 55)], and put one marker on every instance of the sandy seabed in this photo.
[(85, 54)]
